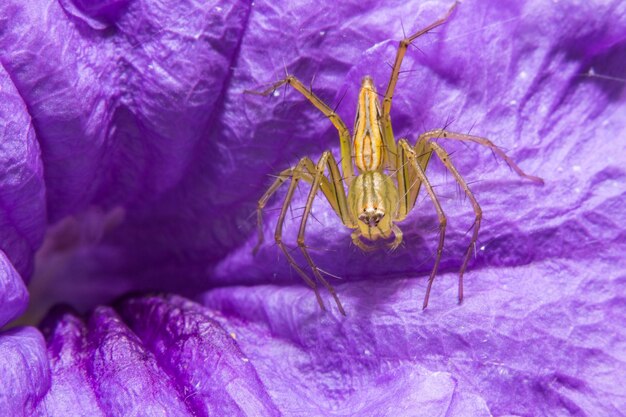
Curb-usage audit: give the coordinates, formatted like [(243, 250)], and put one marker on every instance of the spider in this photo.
[(389, 176)]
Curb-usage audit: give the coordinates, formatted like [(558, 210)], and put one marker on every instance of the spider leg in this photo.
[(305, 163), (319, 174), (398, 237), (344, 133), (393, 80), (404, 44), (409, 183), (359, 243), (444, 134), (333, 190), (445, 158), (408, 156), (295, 177)]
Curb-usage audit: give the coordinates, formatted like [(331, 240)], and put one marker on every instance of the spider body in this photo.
[(368, 146), (372, 195), (373, 201), (389, 176)]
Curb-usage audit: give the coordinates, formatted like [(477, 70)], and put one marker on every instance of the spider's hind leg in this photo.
[(334, 192), (426, 144), (280, 179)]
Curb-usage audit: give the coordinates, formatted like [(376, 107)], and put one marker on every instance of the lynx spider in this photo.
[(374, 202)]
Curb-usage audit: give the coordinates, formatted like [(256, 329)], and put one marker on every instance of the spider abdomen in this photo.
[(368, 133)]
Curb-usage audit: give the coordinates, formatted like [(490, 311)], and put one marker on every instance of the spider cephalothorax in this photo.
[(389, 175), (373, 202)]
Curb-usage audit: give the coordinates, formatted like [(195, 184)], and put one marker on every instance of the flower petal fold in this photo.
[(153, 355), (13, 293), (22, 189)]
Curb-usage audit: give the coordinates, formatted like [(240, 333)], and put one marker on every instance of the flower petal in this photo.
[(24, 371), (528, 341), (13, 293), (22, 198), (160, 356), (145, 120)]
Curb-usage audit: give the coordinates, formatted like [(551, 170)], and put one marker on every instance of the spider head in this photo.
[(373, 202), (371, 216)]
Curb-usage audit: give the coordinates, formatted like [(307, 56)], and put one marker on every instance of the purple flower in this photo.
[(126, 139)]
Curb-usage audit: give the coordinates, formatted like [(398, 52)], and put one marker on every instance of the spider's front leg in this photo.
[(342, 129), (413, 162), (302, 170), (402, 47), (332, 189), (338, 197)]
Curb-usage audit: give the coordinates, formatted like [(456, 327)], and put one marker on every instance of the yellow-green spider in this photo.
[(389, 176)]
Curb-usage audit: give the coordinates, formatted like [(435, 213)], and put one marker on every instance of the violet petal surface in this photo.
[(151, 148)]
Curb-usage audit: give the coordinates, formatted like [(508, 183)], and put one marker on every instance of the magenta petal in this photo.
[(527, 342), (22, 200), (119, 117), (125, 117), (121, 373)]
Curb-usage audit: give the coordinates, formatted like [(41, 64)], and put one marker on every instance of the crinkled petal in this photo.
[(525, 342), (124, 115), (155, 355), (22, 192), (24, 371)]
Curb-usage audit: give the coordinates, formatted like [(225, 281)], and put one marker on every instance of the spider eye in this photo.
[(371, 219)]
